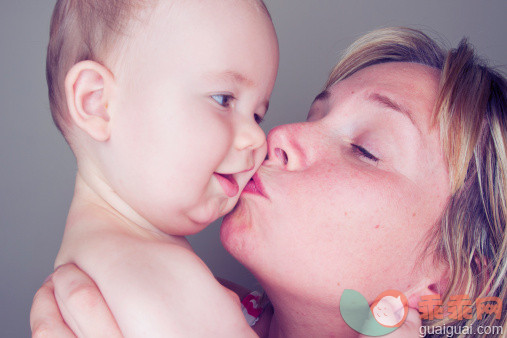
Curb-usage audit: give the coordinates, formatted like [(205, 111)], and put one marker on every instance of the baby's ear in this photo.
[(88, 86)]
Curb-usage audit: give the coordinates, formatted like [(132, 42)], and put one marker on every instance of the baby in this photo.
[(160, 102)]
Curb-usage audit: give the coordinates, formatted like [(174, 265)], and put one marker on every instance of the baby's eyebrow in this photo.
[(231, 75)]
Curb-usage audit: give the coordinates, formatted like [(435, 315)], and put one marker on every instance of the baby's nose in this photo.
[(249, 136)]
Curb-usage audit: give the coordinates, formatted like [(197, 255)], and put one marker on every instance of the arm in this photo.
[(261, 328), (239, 290), (158, 289), (86, 310)]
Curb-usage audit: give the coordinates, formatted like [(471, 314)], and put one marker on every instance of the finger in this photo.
[(409, 329), (82, 305), (45, 317), (413, 323)]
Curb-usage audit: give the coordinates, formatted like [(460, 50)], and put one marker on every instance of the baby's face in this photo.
[(191, 89)]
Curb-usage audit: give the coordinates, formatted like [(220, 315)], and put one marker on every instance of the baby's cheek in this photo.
[(230, 204)]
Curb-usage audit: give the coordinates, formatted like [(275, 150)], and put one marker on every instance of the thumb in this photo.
[(411, 328), (413, 322)]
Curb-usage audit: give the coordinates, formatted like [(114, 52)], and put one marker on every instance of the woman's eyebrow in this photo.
[(322, 96), (387, 102)]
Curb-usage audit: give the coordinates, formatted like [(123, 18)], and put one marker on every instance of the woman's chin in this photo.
[(235, 233)]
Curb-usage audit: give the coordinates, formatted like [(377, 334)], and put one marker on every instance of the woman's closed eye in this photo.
[(258, 118), (360, 151), (223, 99)]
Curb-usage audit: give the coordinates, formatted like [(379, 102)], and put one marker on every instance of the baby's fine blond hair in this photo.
[(93, 30), (83, 30)]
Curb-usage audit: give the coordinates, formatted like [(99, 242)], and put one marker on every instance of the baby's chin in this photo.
[(203, 215)]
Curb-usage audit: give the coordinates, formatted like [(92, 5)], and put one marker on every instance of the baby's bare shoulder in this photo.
[(141, 257), (184, 293), (164, 281), (98, 240)]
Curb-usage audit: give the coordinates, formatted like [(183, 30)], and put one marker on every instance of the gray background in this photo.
[(37, 168)]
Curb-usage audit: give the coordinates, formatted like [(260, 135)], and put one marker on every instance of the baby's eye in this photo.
[(364, 153), (223, 99)]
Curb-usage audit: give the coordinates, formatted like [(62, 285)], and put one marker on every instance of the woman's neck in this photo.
[(298, 317)]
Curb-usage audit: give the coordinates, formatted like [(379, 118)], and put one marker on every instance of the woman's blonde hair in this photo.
[(471, 114)]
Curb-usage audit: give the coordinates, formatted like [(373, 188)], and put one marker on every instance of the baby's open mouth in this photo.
[(228, 183)]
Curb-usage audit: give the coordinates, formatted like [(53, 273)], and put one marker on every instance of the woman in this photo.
[(395, 181)]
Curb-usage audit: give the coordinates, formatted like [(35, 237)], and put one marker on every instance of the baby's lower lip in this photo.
[(228, 183)]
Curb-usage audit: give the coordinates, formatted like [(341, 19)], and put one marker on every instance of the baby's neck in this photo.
[(93, 193), (97, 210)]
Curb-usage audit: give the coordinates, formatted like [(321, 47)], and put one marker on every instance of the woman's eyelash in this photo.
[(223, 99), (363, 152), (258, 118)]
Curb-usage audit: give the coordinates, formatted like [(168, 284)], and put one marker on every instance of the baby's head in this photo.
[(160, 102)]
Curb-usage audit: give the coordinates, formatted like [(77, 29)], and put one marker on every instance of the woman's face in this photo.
[(350, 193)]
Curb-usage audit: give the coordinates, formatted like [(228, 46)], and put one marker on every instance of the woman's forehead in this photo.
[(394, 75), (409, 88)]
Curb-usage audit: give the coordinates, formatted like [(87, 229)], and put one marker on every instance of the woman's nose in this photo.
[(285, 148)]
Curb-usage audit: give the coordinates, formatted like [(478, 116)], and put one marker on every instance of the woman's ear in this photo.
[(88, 88), (426, 287)]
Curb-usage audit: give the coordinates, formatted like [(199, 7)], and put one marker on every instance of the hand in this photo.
[(69, 304), (45, 317), (409, 329)]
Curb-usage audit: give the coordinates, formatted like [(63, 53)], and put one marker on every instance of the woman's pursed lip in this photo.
[(255, 186)]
